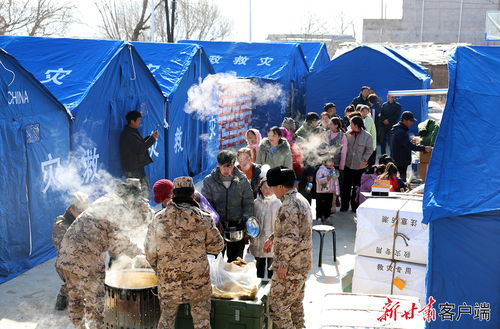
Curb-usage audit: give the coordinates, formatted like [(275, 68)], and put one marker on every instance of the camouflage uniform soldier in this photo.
[(79, 202), (81, 255), (177, 244), (292, 251)]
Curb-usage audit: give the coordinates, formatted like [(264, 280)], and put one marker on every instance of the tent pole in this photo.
[(460, 20), (422, 22), (152, 21), (250, 20)]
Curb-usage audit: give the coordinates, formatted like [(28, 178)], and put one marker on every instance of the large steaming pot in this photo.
[(131, 300)]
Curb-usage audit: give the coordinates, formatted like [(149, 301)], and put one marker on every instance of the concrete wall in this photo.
[(440, 25), (439, 75)]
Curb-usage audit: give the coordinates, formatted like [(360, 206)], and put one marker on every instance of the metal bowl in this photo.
[(233, 234)]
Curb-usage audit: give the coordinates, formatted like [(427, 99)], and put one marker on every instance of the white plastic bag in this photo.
[(233, 281)]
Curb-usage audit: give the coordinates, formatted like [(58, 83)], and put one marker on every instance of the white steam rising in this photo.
[(76, 175), (70, 177), (205, 99), (315, 149)]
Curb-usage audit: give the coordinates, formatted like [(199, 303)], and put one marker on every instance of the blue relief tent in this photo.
[(34, 139), (379, 67), (177, 67), (99, 81), (461, 198), (316, 55), (281, 63)]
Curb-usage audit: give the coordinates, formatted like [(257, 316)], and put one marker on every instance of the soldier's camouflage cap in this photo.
[(183, 182)]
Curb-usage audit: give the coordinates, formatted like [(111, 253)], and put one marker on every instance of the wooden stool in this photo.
[(323, 230)]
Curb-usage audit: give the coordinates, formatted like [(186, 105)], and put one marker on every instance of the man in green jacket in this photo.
[(310, 126), (371, 129)]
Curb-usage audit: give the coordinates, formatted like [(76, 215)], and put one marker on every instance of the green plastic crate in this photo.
[(233, 313)]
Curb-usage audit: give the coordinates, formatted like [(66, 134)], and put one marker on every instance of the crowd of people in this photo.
[(271, 180), (330, 155)]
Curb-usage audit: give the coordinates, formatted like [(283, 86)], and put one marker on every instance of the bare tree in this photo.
[(35, 17), (124, 20), (170, 19), (201, 20), (344, 23), (129, 20), (313, 27)]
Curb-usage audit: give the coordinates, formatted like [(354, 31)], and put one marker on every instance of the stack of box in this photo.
[(391, 247), (425, 158), (235, 115)]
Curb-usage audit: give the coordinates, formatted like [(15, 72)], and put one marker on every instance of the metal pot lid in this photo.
[(253, 227)]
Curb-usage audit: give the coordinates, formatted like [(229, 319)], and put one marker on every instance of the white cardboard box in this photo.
[(376, 218), (374, 276)]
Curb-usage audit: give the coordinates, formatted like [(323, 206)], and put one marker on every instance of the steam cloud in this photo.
[(73, 175), (204, 99)]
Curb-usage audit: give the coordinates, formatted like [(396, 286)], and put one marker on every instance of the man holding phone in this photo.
[(134, 153)]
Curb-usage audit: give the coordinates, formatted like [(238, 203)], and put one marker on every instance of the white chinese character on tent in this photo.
[(212, 128), (56, 75), (90, 160), (153, 68), (265, 61), (178, 140), (215, 59), (152, 150), (48, 172), (240, 60)]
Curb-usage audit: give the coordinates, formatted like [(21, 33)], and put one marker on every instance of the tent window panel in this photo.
[(32, 133)]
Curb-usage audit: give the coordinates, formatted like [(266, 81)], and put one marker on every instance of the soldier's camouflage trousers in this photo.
[(63, 290), (200, 311), (286, 301), (85, 300)]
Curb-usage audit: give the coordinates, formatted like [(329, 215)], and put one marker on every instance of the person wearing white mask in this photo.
[(266, 210)]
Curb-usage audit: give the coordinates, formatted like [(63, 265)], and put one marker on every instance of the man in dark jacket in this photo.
[(331, 109), (134, 153), (363, 97), (229, 191), (389, 116), (402, 146)]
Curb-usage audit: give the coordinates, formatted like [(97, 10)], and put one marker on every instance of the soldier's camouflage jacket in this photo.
[(177, 244), (292, 241), (97, 230)]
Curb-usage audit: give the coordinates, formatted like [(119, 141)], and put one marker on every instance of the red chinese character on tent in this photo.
[(429, 312), (390, 311)]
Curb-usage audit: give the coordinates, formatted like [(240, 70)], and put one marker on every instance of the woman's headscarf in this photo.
[(257, 143), (287, 135)]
